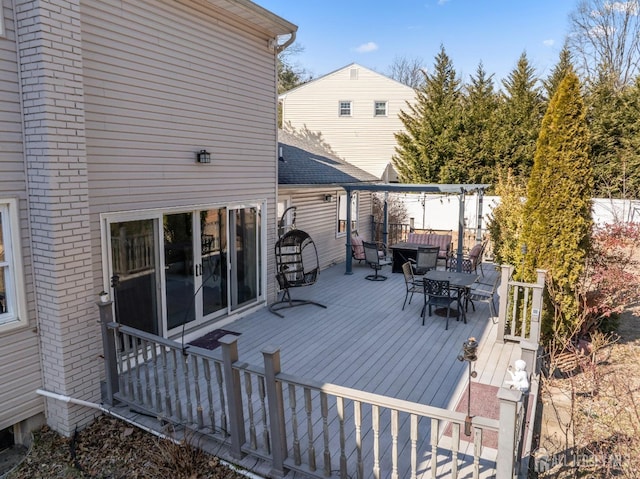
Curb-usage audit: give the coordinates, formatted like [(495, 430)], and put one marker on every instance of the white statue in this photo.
[(519, 378)]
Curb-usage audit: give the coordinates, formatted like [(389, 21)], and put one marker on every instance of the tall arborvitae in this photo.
[(432, 126), (560, 69), (630, 152), (557, 213), (476, 149), (520, 118)]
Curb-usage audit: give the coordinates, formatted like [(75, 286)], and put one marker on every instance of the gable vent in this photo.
[(354, 74)]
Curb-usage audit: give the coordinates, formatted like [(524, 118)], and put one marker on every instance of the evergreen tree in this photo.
[(520, 117), (630, 152), (560, 69), (476, 149), (557, 213), (432, 126)]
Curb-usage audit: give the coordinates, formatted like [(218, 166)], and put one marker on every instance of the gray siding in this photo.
[(20, 373), (162, 81)]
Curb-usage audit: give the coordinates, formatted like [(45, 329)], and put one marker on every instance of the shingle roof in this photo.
[(305, 162)]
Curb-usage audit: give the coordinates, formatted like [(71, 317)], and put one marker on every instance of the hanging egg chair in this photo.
[(296, 266)]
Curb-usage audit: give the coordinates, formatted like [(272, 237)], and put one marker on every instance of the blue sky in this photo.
[(496, 32)]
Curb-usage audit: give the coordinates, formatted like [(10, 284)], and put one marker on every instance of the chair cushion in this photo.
[(357, 247), (475, 251), (441, 241)]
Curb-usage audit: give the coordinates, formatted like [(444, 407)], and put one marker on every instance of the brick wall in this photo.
[(50, 56)]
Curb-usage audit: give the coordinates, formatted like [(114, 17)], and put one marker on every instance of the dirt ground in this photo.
[(112, 449)]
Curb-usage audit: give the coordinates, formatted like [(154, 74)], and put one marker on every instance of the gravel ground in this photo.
[(112, 449)]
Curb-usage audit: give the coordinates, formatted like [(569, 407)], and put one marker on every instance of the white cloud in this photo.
[(442, 2), (548, 43), (367, 47)]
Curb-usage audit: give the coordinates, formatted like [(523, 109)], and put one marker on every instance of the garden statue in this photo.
[(519, 378)]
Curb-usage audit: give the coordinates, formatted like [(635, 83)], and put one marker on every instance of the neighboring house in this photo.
[(105, 106), (309, 178), (355, 111)]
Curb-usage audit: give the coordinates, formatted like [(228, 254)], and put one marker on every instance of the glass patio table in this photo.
[(458, 281)]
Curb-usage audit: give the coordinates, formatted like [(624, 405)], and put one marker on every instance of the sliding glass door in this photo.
[(180, 269)]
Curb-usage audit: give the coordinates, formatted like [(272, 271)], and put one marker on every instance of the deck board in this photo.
[(364, 340)]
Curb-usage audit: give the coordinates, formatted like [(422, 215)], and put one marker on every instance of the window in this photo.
[(345, 108), (342, 214), (12, 297), (380, 108)]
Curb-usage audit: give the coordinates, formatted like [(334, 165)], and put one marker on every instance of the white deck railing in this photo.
[(319, 429)]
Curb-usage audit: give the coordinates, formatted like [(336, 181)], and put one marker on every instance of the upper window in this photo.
[(12, 303), (380, 108), (345, 108), (342, 214)]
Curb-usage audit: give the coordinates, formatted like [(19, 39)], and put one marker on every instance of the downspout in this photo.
[(100, 407)]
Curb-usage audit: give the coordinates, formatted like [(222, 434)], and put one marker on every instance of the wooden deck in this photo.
[(364, 340)]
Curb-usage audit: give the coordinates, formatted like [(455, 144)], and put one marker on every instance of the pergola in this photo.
[(461, 190)]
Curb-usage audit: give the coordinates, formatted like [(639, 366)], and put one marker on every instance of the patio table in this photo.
[(458, 281)]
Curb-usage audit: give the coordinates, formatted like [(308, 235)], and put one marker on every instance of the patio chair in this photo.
[(374, 260), (484, 293), (426, 259), (413, 285), (357, 249), (438, 293), (470, 261)]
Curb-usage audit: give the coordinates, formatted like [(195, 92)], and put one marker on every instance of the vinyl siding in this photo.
[(164, 80), (319, 220), (362, 139), (20, 373)]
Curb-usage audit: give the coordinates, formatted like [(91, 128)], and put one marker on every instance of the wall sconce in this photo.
[(203, 156), (328, 198)]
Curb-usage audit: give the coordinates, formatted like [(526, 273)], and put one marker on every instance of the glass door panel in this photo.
[(213, 257), (179, 269), (243, 254), (134, 269)]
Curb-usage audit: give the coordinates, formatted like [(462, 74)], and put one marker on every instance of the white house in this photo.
[(354, 110)]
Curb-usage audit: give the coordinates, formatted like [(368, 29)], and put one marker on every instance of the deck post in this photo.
[(229, 345), (271, 356), (529, 354), (503, 293), (536, 306), (109, 351), (506, 457)]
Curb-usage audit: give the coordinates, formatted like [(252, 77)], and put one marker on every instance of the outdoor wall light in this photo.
[(328, 198), (203, 156)]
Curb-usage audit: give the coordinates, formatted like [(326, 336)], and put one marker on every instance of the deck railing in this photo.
[(319, 429), (520, 308)]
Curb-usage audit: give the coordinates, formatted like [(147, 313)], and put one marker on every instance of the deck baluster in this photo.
[(324, 410), (262, 394), (414, 444), (525, 307), (248, 388), (156, 376), (394, 444), (223, 404), (357, 419), (311, 450), (294, 425), (145, 361), (127, 349), (176, 385), (120, 355), (435, 433), (455, 446), (375, 425), (343, 456), (206, 366), (196, 386), (187, 386), (477, 450), (167, 389), (514, 312), (137, 367)]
